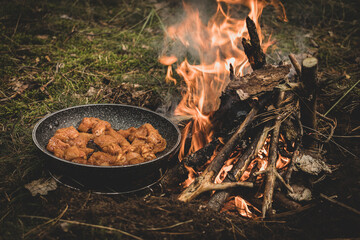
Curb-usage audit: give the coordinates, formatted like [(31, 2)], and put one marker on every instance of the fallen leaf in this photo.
[(41, 186)]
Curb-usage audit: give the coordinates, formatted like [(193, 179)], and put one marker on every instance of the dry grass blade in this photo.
[(84, 224), (346, 93), (50, 221), (168, 227)]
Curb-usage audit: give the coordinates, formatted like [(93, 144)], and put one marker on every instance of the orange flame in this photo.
[(216, 45)]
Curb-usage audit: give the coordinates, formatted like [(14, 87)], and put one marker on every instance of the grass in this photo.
[(75, 45)]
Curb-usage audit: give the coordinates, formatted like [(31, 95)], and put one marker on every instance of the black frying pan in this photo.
[(117, 178)]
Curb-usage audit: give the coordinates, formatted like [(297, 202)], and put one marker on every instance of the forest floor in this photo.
[(58, 54)]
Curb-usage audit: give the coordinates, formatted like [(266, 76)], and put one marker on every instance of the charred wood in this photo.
[(218, 199), (261, 80), (201, 183), (252, 47), (179, 173)]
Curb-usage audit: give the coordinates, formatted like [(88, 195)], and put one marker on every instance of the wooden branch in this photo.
[(340, 204), (286, 202), (252, 47), (215, 166), (296, 64), (271, 168), (179, 173), (218, 199), (308, 102), (261, 80)]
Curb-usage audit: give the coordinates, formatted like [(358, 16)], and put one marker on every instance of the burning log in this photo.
[(261, 80), (201, 184), (179, 172), (218, 199), (308, 103), (252, 47)]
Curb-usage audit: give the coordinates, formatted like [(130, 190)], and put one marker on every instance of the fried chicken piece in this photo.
[(66, 134), (136, 145), (100, 127), (79, 160), (147, 152), (126, 133), (96, 125), (119, 138), (155, 138), (140, 133), (57, 147), (87, 124), (102, 159), (82, 140), (74, 152), (108, 144), (134, 158), (143, 148)]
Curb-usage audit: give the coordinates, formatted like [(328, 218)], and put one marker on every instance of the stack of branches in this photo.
[(277, 106)]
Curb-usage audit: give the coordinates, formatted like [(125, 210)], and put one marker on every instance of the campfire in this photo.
[(243, 137)]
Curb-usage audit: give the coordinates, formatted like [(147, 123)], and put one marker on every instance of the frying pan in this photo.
[(125, 178)]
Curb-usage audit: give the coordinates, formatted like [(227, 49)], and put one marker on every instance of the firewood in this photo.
[(271, 168), (296, 64), (252, 47), (308, 101), (179, 173), (286, 202), (197, 187), (262, 80), (218, 199)]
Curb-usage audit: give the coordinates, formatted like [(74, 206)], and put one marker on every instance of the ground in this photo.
[(56, 54)]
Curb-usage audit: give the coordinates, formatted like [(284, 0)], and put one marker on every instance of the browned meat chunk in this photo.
[(82, 140), (65, 134), (74, 152), (134, 158), (102, 159), (126, 133), (123, 147), (120, 139)]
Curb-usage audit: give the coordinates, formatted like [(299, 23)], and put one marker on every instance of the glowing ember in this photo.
[(242, 207)]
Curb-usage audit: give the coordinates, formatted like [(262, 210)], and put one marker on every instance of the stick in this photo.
[(296, 64), (286, 202), (252, 48), (214, 167), (218, 199), (85, 224), (271, 169), (308, 103), (340, 204), (179, 173)]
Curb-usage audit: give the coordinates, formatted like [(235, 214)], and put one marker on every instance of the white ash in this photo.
[(300, 193), (311, 165)]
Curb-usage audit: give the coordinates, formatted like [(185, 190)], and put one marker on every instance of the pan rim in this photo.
[(171, 151)]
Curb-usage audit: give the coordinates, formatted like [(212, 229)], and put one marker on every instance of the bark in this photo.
[(252, 47), (261, 80)]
